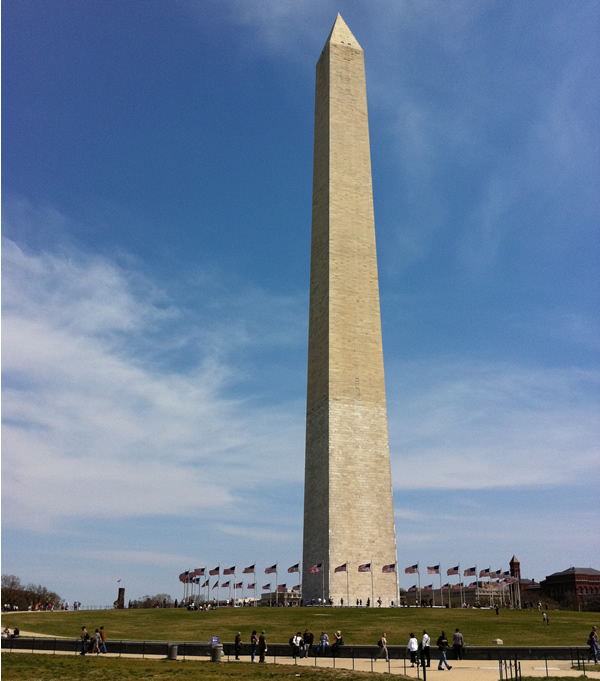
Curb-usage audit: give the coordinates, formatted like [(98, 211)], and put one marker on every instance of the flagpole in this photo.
[(372, 591), (419, 582), (254, 573), (347, 586), (441, 592)]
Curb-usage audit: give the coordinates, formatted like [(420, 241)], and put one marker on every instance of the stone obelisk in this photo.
[(348, 509)]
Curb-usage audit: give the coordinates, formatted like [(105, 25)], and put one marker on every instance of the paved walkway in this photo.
[(464, 670)]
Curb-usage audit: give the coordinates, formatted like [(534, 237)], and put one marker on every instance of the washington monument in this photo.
[(349, 536)]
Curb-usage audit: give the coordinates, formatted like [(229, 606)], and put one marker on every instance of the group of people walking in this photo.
[(93, 644), (420, 653)]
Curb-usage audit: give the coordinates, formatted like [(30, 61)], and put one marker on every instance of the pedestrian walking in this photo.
[(412, 647), (594, 651), (296, 642), (425, 650), (383, 651), (442, 644), (262, 646)]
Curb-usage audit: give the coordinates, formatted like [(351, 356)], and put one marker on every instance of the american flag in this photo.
[(316, 568), (248, 570), (342, 568), (216, 584), (429, 587), (389, 568), (412, 588), (296, 588), (252, 586), (271, 569), (229, 571), (453, 571), (182, 577), (496, 574), (470, 572), (281, 587), (226, 584), (294, 568), (446, 587), (484, 573), (214, 571), (412, 569), (199, 572), (433, 569), (206, 583), (366, 567), (472, 585), (239, 585), (267, 587)]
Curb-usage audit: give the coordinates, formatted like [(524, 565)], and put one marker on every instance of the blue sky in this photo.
[(156, 199)]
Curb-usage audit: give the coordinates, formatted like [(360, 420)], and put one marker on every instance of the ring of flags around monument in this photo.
[(503, 579), (201, 577)]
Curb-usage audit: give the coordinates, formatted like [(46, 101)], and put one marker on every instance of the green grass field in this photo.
[(359, 626), (26, 667)]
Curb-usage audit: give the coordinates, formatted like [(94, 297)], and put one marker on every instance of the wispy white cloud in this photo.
[(469, 425), (89, 421)]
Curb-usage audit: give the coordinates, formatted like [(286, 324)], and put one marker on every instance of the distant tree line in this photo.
[(15, 595), (156, 601)]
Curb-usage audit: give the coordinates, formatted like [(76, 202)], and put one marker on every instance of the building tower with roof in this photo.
[(348, 509), (515, 589)]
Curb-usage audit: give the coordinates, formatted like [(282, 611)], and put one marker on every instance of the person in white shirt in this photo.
[(425, 652), (297, 642), (412, 647)]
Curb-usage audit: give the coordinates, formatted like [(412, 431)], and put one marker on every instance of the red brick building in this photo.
[(575, 587)]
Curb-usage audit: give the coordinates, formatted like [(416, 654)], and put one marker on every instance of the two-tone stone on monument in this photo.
[(348, 510)]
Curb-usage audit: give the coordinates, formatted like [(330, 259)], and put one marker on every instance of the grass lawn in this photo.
[(26, 667), (359, 626)]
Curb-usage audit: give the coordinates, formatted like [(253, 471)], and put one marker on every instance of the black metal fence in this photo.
[(509, 659)]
